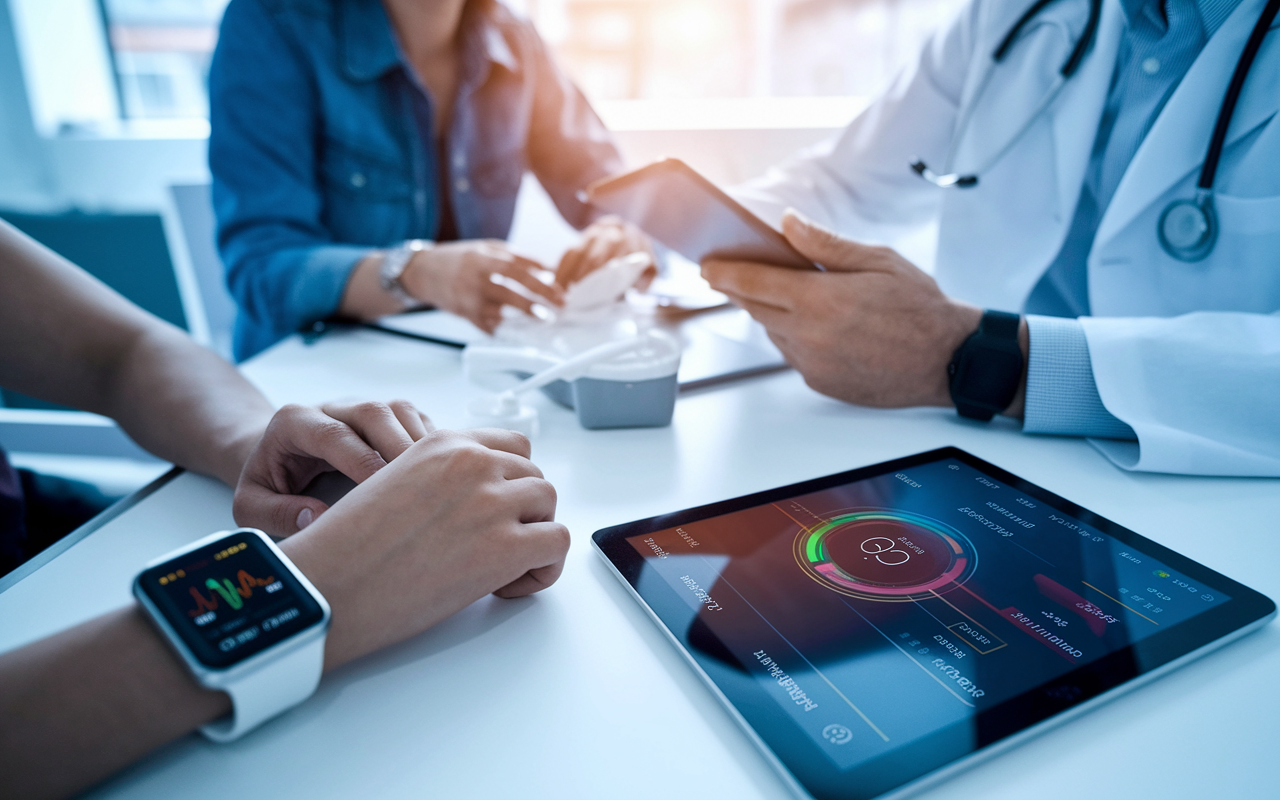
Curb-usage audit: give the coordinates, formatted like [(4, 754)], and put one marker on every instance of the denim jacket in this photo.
[(321, 147)]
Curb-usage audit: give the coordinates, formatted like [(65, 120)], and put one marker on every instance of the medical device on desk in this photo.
[(626, 383), (591, 357), (1188, 228)]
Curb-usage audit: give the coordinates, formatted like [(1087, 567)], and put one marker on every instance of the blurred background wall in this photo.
[(102, 102)]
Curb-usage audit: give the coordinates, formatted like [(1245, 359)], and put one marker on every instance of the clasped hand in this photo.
[(438, 519)]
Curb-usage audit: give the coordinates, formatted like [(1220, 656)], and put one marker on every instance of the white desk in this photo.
[(575, 692)]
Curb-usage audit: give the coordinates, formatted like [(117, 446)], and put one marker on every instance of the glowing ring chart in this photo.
[(886, 556)]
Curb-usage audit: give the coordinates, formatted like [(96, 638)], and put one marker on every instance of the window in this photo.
[(160, 52), (616, 50), (663, 49)]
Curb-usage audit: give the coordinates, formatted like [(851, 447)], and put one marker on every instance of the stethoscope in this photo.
[(1188, 228)]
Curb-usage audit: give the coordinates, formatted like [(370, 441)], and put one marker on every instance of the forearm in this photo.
[(67, 338), (185, 404), (87, 702)]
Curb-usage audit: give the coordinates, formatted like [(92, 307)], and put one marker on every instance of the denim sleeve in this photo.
[(1062, 396), (569, 147), (282, 266)]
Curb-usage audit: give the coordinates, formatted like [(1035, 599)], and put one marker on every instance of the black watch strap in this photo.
[(985, 371)]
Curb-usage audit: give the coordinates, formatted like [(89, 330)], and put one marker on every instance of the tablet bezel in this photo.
[(1000, 726), (597, 194)]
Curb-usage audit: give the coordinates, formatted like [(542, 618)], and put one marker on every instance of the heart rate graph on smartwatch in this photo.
[(245, 620), (229, 600)]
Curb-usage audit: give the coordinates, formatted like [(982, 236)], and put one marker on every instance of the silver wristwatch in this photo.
[(394, 263)]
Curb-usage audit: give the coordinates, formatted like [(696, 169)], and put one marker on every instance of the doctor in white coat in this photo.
[(1168, 360)]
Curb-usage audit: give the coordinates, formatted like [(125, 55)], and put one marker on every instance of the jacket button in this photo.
[(463, 185), (358, 180)]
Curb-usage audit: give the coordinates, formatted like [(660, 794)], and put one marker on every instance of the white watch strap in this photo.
[(258, 697)]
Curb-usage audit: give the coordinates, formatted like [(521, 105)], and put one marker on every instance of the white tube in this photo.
[(575, 367)]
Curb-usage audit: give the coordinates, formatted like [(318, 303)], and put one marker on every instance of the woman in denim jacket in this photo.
[(344, 131)]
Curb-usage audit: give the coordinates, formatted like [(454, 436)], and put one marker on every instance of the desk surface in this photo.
[(576, 693)]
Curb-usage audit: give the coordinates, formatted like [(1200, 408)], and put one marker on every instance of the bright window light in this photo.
[(162, 50), (654, 51), (66, 64)]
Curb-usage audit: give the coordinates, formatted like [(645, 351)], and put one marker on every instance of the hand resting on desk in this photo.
[(455, 517)]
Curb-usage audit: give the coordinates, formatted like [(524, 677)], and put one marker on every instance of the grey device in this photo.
[(606, 386), (602, 404), (686, 212)]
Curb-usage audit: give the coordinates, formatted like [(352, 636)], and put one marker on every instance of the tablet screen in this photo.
[(875, 626)]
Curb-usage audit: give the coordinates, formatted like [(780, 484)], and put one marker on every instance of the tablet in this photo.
[(878, 629), (687, 213)]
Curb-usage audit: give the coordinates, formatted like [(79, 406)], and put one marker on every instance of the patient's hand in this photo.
[(605, 239), (455, 517), (458, 277), (301, 442)]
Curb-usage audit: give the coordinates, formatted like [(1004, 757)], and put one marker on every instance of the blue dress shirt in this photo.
[(1162, 38), (321, 147)]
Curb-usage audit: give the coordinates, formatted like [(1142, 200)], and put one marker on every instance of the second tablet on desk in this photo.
[(878, 629)]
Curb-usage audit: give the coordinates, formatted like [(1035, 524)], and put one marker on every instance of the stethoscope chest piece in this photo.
[(1188, 228)]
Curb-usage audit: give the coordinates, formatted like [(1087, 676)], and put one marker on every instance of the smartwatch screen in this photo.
[(230, 599)]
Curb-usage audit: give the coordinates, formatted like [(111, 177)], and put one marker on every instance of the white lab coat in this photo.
[(1187, 354)]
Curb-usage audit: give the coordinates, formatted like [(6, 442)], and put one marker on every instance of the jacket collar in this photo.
[(367, 45), (368, 48)]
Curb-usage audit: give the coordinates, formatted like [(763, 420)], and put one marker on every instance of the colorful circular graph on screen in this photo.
[(887, 556)]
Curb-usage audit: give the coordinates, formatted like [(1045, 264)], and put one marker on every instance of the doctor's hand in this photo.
[(605, 239), (459, 277), (356, 439), (456, 517), (873, 330)]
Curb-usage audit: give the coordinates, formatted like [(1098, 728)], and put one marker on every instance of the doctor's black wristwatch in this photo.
[(986, 370)]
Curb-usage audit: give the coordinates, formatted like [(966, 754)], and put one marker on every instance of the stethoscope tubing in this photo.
[(1087, 36), (1217, 141), (1208, 172)]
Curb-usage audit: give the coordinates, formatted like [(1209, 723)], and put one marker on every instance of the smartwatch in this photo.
[(986, 370), (244, 619), (394, 263)]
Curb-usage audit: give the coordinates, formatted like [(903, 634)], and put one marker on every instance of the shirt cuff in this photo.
[(320, 281), (1062, 395)]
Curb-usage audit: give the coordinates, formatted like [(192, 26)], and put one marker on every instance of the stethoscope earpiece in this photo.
[(1188, 229), (943, 181)]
